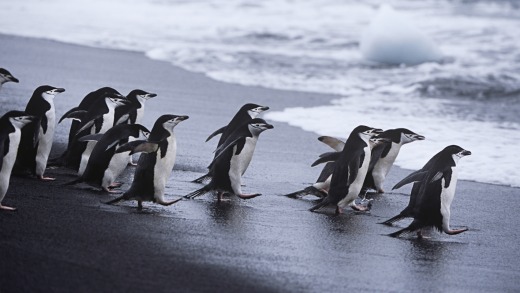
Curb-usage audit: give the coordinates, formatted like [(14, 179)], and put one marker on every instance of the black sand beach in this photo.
[(64, 239)]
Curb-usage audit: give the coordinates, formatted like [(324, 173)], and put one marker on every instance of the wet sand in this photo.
[(64, 239)]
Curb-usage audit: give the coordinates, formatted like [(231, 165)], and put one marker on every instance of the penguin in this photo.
[(97, 119), (245, 114), (384, 155), (232, 159), (37, 138), (155, 164), (133, 112), (104, 164), (11, 124), (6, 76), (432, 208), (71, 157), (350, 169)]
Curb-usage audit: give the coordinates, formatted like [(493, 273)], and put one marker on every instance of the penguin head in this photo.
[(408, 136), (456, 152), (47, 92), (257, 126), (114, 100), (253, 109), (6, 76), (169, 121), (140, 96), (366, 132), (19, 119)]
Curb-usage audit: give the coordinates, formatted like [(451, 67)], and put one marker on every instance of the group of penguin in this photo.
[(105, 132)]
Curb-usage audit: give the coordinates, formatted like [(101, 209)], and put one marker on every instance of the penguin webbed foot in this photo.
[(6, 208), (248, 196), (456, 231), (45, 179)]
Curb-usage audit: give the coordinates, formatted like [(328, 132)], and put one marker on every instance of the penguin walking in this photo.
[(245, 114), (6, 76), (37, 138), (350, 169), (97, 119), (104, 164), (155, 164), (232, 159), (11, 124), (436, 192), (384, 155), (71, 157)]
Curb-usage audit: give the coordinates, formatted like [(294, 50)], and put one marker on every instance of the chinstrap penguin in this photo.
[(37, 138), (10, 133), (6, 76), (155, 164), (104, 164), (232, 159), (244, 114), (436, 192), (350, 169)]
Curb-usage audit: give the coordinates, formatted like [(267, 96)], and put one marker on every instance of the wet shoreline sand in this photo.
[(64, 239)]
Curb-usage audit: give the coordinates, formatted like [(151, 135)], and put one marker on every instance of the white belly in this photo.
[(116, 166), (447, 195), (163, 168), (355, 187), (384, 165), (45, 142), (8, 162), (239, 163)]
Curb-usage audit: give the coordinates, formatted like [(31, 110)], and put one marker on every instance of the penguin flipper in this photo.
[(327, 170), (333, 142), (3, 149), (308, 190), (326, 157), (415, 225), (217, 132), (202, 178), (138, 146), (394, 219), (413, 177), (91, 137), (74, 114)]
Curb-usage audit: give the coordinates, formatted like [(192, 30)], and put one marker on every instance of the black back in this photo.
[(6, 128)]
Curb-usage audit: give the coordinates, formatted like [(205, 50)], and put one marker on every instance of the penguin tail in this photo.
[(308, 190), (202, 179), (199, 192), (74, 182), (116, 200), (399, 233), (414, 226), (390, 221), (323, 203)]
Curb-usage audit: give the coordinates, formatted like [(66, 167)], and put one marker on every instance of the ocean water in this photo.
[(466, 92)]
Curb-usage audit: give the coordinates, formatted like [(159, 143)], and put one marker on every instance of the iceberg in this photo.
[(392, 39)]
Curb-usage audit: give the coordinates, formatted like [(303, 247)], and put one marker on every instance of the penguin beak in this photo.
[(377, 131), (182, 118), (60, 90), (13, 79), (269, 126), (264, 108), (465, 153), (419, 137), (150, 95)]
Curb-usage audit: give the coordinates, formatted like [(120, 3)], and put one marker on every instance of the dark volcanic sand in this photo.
[(63, 239)]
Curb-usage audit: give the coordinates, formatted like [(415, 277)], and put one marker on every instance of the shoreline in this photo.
[(64, 238)]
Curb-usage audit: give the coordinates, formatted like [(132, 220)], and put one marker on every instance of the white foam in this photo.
[(491, 144)]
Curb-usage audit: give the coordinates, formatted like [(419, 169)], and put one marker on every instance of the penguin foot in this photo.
[(455, 231), (248, 196), (115, 185), (6, 208), (361, 208), (43, 178), (338, 211), (380, 191)]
